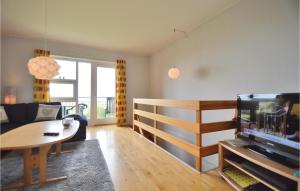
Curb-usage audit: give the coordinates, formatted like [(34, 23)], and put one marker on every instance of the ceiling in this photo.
[(133, 26)]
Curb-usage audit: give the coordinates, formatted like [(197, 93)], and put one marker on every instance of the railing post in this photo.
[(235, 118), (155, 122), (198, 141), (136, 117), (134, 106)]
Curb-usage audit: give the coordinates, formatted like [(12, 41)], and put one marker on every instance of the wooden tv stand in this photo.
[(228, 152)]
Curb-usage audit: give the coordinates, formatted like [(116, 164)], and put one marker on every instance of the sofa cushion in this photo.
[(16, 113), (3, 116), (59, 115), (32, 110), (47, 112)]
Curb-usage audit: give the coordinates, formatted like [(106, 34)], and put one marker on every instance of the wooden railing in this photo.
[(198, 128)]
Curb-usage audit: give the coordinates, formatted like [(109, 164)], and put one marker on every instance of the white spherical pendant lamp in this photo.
[(173, 73), (43, 67)]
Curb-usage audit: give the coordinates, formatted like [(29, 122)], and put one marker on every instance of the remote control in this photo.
[(51, 134)]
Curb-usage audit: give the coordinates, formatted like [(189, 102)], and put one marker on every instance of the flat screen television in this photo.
[(270, 119)]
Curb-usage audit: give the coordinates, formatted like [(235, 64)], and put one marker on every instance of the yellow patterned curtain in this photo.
[(41, 91), (121, 93)]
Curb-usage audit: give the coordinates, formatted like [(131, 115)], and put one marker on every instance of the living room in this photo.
[(140, 82)]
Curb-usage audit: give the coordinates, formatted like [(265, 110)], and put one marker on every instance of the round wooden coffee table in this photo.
[(32, 136)]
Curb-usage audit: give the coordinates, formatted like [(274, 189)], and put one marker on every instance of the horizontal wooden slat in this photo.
[(183, 104), (188, 147), (209, 150), (217, 126), (193, 127), (214, 105)]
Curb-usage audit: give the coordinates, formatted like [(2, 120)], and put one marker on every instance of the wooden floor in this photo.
[(136, 164)]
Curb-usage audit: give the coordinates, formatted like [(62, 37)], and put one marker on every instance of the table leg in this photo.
[(27, 167), (43, 164), (58, 148), (29, 164)]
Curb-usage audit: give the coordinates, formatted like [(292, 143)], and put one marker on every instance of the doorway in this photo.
[(104, 91)]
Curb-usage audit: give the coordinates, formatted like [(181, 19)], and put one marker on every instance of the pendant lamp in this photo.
[(43, 67), (173, 73)]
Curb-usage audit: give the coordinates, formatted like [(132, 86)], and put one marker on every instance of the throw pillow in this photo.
[(47, 112), (3, 116)]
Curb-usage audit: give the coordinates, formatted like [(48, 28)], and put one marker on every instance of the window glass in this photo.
[(82, 102), (106, 107), (106, 82), (61, 90), (84, 79), (67, 70)]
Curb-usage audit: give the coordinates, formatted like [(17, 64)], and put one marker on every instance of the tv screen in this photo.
[(272, 117)]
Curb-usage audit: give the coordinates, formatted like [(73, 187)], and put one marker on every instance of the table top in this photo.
[(32, 135)]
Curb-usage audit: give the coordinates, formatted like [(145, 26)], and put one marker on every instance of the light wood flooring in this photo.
[(136, 164)]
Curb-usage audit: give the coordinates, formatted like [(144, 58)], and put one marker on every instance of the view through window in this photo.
[(74, 88), (105, 92)]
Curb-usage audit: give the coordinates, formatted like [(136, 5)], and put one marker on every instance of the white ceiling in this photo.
[(135, 26)]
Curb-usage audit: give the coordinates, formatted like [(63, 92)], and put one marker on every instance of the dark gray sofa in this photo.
[(24, 113)]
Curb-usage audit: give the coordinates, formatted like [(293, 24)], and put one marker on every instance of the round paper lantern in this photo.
[(173, 73), (43, 67)]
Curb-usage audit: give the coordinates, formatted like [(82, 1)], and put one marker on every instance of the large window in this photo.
[(87, 85)]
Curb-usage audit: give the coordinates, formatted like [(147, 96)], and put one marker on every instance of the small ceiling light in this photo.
[(173, 73), (43, 67)]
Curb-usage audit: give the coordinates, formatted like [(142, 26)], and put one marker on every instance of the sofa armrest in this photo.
[(81, 133)]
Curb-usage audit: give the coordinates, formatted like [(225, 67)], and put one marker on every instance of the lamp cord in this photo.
[(45, 28)]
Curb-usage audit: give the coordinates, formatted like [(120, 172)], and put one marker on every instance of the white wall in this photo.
[(252, 47), (17, 51)]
